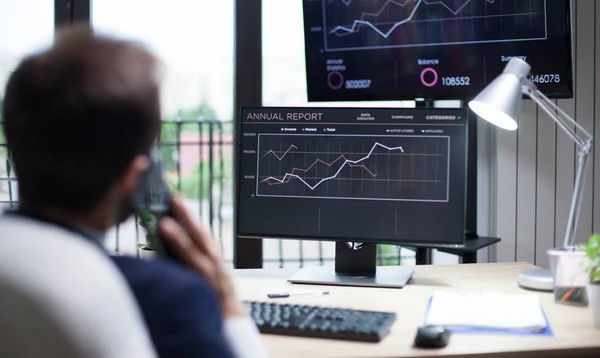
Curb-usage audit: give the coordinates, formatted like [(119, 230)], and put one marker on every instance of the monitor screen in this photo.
[(360, 50), (358, 174)]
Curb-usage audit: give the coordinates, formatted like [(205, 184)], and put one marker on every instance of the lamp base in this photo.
[(538, 280)]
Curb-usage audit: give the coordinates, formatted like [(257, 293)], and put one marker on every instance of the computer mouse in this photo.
[(432, 337)]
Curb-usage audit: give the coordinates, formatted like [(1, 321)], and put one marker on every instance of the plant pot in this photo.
[(593, 293), (147, 254)]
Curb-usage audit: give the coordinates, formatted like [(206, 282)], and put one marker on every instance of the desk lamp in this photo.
[(500, 104)]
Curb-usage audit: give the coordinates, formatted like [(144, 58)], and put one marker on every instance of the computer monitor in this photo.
[(353, 175), (368, 50)]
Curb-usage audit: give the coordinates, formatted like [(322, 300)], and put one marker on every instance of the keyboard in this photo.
[(320, 322)]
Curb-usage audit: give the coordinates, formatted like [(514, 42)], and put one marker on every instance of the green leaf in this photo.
[(146, 219), (595, 239), (595, 276), (151, 242), (592, 248), (592, 251)]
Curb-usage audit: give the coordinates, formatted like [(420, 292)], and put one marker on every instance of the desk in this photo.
[(574, 334)]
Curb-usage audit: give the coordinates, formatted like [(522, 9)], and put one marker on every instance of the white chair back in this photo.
[(62, 297)]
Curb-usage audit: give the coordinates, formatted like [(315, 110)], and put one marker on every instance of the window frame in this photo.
[(71, 11)]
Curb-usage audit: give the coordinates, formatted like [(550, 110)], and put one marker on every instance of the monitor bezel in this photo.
[(462, 110), (569, 45)]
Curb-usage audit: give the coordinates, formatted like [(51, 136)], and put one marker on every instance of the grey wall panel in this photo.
[(585, 62), (526, 182), (596, 167), (546, 188), (565, 172), (507, 195)]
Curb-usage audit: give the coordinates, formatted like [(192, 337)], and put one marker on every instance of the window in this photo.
[(194, 41), (25, 26), (193, 38)]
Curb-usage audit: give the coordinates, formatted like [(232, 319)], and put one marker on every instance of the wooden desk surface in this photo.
[(574, 334)]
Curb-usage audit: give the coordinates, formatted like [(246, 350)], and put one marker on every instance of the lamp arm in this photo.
[(578, 133), (584, 142)]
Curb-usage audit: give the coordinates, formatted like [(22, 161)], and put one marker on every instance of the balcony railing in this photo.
[(198, 159)]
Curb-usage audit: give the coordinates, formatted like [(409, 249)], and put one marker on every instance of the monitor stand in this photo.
[(355, 265)]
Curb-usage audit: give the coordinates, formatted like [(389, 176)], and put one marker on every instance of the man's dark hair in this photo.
[(76, 114)]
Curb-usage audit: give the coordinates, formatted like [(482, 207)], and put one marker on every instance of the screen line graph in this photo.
[(356, 24), (284, 154), (359, 167), (351, 163)]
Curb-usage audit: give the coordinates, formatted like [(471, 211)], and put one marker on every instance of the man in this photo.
[(80, 119)]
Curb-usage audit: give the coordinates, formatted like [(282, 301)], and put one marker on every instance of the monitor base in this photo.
[(355, 265), (385, 277)]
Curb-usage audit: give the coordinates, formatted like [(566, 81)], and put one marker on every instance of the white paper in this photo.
[(486, 310)]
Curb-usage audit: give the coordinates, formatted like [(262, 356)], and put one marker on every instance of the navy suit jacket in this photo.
[(180, 308)]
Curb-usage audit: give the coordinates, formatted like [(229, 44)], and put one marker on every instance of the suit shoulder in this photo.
[(180, 307), (162, 275)]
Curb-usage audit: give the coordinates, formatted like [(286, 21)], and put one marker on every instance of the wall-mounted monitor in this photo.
[(361, 50)]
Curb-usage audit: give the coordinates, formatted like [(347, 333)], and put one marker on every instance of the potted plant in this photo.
[(592, 251), (148, 222)]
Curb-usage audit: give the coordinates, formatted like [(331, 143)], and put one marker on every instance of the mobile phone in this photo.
[(151, 201)]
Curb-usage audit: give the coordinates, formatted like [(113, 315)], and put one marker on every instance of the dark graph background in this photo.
[(398, 168), (354, 24)]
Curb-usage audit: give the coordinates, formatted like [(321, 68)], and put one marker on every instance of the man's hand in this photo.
[(196, 248)]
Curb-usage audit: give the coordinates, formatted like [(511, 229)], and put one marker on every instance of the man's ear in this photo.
[(132, 174)]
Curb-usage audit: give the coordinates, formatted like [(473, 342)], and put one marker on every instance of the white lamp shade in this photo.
[(500, 102)]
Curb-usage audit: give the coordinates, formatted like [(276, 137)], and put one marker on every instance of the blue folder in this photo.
[(545, 332)]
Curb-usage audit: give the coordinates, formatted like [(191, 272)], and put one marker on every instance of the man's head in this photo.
[(79, 119)]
